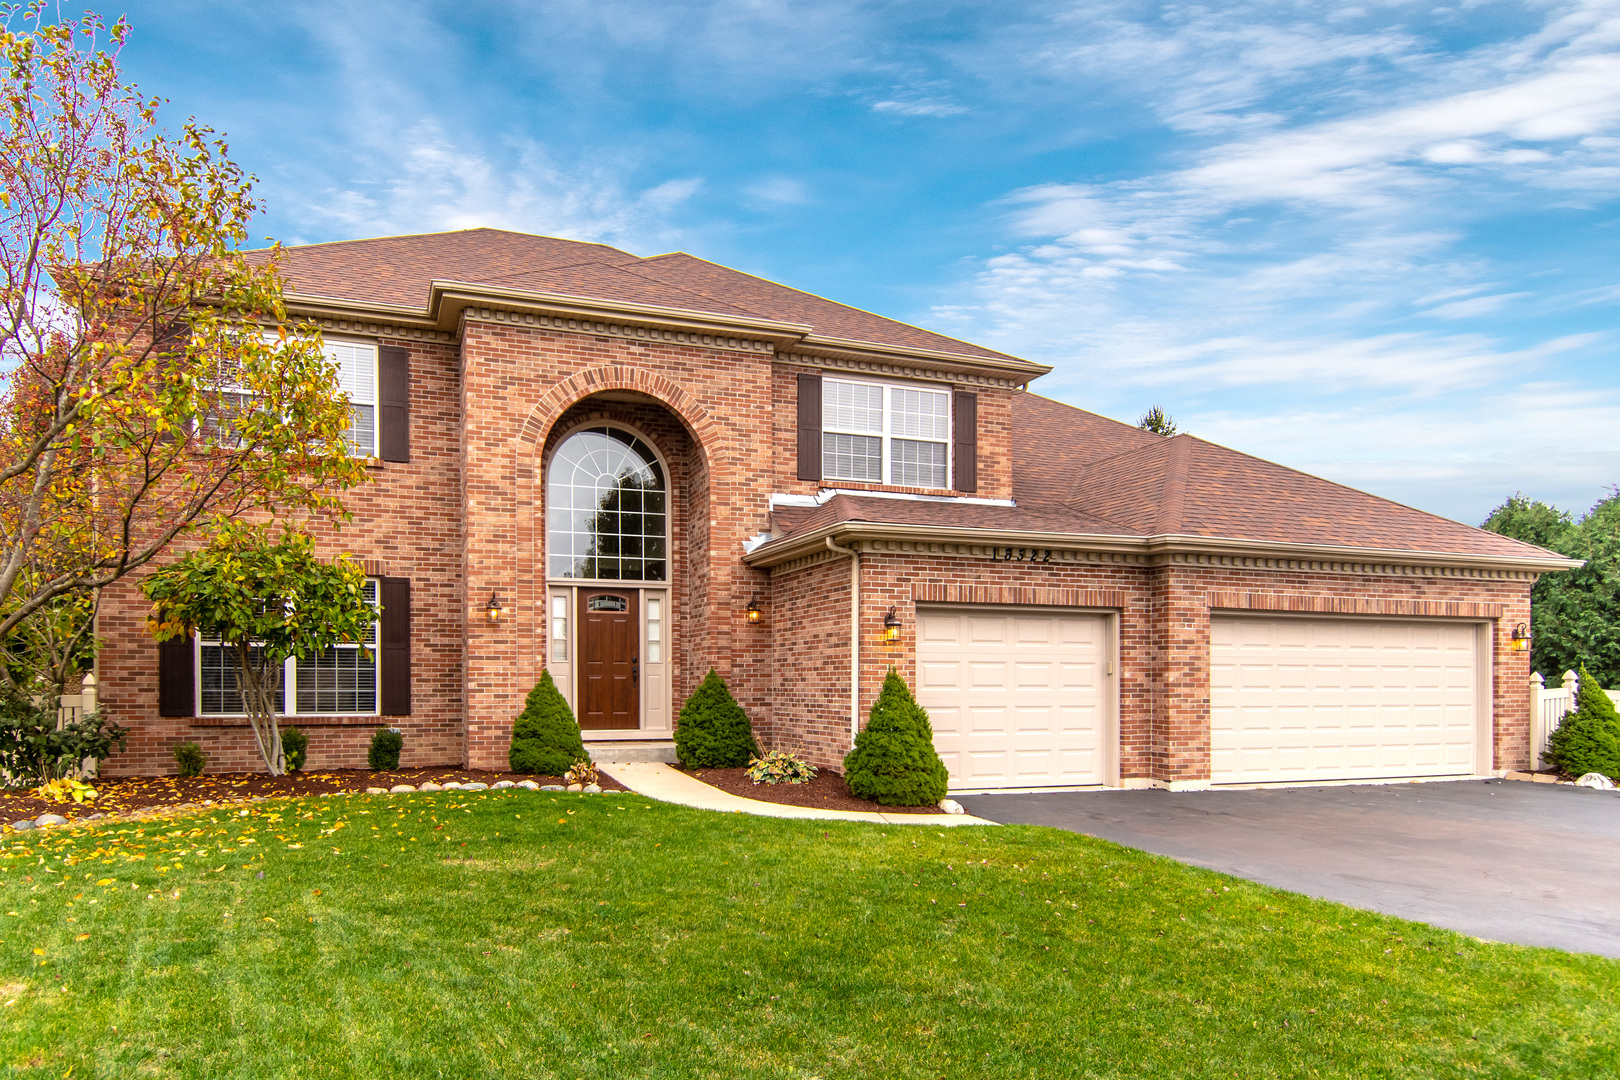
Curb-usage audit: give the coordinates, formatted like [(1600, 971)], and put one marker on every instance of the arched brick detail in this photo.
[(564, 395), (707, 436)]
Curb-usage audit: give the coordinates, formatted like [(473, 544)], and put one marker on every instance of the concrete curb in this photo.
[(658, 781)]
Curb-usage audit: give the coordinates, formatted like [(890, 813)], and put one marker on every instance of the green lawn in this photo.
[(535, 935)]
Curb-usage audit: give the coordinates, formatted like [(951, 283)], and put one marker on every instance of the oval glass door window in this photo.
[(606, 603)]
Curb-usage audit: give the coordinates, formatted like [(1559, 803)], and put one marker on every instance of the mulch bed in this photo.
[(125, 794), (827, 791)]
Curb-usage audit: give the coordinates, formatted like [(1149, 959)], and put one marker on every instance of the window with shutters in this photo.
[(341, 680), (880, 433), (357, 377)]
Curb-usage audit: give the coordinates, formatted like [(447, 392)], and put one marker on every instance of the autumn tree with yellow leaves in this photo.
[(151, 384)]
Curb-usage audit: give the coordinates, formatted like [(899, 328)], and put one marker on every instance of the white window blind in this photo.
[(873, 430)]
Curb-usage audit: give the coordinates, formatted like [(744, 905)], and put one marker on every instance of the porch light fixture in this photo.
[(891, 626), (1521, 638), (492, 610), (753, 614)]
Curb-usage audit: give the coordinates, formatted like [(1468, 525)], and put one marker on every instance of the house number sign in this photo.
[(1021, 554)]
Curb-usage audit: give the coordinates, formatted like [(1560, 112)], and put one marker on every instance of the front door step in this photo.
[(631, 749)]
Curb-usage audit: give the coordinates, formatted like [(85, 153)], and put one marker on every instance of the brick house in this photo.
[(630, 470)]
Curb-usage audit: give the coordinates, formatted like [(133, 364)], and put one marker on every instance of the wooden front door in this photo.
[(609, 659)]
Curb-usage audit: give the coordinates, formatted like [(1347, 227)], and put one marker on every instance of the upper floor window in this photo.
[(606, 508), (878, 433), (357, 377)]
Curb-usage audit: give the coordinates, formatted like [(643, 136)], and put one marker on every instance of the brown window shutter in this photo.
[(176, 677), (394, 403), (965, 441), (395, 659), (809, 427)]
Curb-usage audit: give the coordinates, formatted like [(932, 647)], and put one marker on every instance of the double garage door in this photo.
[(1342, 699), (1024, 699)]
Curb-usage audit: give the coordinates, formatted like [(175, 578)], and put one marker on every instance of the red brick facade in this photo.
[(465, 518)]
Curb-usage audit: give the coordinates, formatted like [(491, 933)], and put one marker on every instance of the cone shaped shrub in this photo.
[(383, 756), (894, 762), (545, 736), (295, 746), (1589, 738), (714, 732)]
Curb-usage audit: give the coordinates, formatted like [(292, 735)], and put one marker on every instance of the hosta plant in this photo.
[(781, 767), (66, 789), (582, 772)]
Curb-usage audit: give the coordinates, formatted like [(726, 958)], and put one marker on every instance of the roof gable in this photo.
[(398, 271)]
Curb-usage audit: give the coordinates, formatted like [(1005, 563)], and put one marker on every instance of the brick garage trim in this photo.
[(1024, 596), (1352, 605)]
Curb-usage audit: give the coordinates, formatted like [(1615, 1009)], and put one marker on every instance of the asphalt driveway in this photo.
[(1536, 864)]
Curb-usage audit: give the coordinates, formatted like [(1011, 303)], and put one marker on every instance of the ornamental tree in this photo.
[(150, 384), (264, 600)]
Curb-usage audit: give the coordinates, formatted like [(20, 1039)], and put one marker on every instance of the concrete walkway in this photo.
[(658, 781)]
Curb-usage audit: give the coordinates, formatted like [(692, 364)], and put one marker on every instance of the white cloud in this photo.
[(918, 107), (777, 191), (430, 183)]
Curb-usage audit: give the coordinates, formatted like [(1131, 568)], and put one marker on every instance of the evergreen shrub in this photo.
[(295, 745), (713, 731), (191, 759), (545, 736), (1589, 738), (385, 747), (894, 762)]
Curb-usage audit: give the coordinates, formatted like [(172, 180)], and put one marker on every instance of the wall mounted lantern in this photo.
[(1521, 638), (891, 626), (492, 610), (753, 614)]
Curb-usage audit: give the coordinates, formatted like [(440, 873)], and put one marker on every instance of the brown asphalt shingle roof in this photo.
[(1077, 472), (1074, 471), (398, 270)]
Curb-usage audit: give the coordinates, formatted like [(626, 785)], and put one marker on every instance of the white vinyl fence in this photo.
[(1548, 705)]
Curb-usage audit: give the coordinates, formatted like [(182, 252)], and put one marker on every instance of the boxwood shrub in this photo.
[(545, 736), (713, 731), (894, 762)]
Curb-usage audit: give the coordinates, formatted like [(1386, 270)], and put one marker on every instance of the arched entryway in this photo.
[(625, 509), (607, 571)]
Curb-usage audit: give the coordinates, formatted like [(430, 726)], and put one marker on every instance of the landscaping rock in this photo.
[(25, 823), (502, 785), (95, 816), (593, 789), (474, 787), (400, 789), (50, 819), (576, 787), (454, 785), (430, 786), (1595, 780), (369, 791), (528, 785), (552, 787), (951, 806)]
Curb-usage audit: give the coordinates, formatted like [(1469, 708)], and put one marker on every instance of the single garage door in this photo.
[(1017, 699), (1341, 699)]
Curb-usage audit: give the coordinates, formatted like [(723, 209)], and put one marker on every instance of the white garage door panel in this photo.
[(1016, 700), (1305, 699)]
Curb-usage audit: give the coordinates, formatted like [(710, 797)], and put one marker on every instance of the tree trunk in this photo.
[(259, 702)]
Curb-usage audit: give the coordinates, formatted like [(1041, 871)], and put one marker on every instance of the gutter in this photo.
[(854, 636), (792, 547)]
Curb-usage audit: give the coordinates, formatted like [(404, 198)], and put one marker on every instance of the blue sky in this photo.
[(1378, 243)]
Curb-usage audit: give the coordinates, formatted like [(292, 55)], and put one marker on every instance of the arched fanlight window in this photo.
[(606, 509)]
